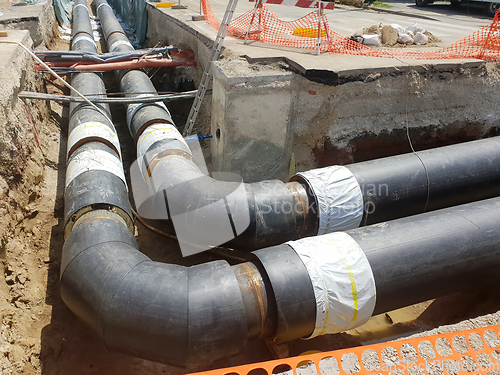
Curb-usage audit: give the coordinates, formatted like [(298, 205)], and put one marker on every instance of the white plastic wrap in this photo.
[(405, 38), (153, 134), (83, 37), (397, 27), (339, 198), (119, 43), (133, 108), (415, 29), (371, 40), (342, 280), (93, 129), (91, 160), (420, 38)]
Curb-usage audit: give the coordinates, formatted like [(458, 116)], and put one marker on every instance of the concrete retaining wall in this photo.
[(265, 117), (39, 19)]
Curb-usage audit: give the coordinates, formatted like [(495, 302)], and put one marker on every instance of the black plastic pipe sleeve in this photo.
[(397, 186), (82, 34), (430, 255)]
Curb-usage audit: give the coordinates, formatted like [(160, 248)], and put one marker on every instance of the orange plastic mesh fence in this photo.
[(464, 352), (483, 44)]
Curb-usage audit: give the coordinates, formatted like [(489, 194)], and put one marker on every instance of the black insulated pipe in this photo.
[(278, 211), (318, 201), (386, 188), (193, 316), (397, 186), (161, 312), (430, 255), (92, 139)]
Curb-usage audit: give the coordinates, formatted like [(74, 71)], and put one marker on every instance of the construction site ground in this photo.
[(39, 334)]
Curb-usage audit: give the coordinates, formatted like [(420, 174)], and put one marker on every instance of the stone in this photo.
[(389, 36)]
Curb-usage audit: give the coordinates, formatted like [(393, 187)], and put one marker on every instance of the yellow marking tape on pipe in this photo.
[(353, 287)]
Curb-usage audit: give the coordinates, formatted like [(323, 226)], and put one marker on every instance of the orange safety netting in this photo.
[(483, 44)]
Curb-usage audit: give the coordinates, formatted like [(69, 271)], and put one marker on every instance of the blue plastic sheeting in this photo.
[(63, 10), (133, 17)]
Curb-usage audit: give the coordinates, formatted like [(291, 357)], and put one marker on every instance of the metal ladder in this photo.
[(207, 76)]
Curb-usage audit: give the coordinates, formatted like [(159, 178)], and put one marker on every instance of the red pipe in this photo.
[(121, 65)]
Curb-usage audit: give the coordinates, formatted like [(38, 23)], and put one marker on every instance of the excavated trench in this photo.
[(41, 335)]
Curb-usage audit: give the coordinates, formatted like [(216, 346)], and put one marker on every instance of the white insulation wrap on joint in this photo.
[(342, 280), (118, 43), (86, 37), (339, 198), (92, 160), (155, 133), (93, 129)]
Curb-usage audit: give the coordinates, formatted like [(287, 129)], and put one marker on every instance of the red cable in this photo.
[(31, 121)]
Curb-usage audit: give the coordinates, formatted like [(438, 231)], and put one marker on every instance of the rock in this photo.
[(389, 36), (35, 231), (374, 30), (27, 341), (16, 353), (22, 278)]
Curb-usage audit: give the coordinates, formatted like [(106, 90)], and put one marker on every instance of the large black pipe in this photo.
[(427, 256), (162, 312), (386, 188), (397, 186), (193, 316)]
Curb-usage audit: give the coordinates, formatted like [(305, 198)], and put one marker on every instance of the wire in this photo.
[(213, 249), (31, 121), (35, 57), (413, 150)]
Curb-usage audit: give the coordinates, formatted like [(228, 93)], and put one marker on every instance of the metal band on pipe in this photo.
[(100, 5), (93, 129), (90, 160), (133, 108), (342, 278), (339, 198), (80, 5)]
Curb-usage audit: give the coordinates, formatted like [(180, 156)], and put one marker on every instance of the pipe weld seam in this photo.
[(155, 133), (342, 279), (66, 263), (83, 36), (164, 156), (100, 5), (80, 5)]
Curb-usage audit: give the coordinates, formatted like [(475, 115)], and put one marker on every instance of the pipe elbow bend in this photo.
[(160, 312)]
